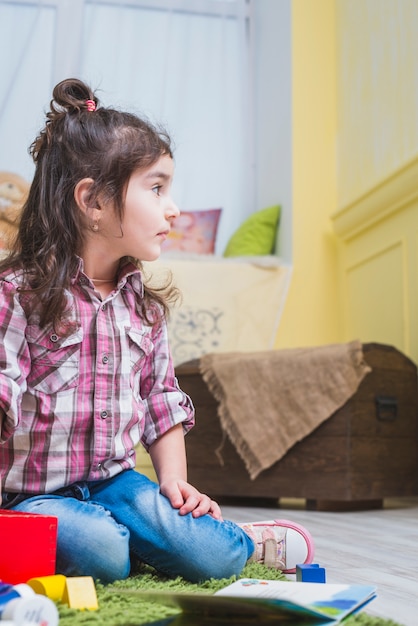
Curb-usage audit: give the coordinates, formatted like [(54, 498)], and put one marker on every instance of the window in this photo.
[(184, 63)]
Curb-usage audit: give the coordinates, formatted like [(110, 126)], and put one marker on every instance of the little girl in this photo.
[(85, 368)]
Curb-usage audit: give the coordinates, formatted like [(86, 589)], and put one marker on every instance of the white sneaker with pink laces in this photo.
[(280, 544)]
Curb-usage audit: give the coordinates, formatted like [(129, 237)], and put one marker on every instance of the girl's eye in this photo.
[(156, 189)]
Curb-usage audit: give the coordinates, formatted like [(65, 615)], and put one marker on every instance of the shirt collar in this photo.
[(128, 272)]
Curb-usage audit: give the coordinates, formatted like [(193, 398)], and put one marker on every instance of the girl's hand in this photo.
[(187, 499), (168, 456)]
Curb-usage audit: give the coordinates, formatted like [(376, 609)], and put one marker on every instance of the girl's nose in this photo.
[(172, 209)]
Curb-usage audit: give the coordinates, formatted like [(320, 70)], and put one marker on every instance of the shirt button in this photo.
[(104, 307), (99, 466), (105, 359), (54, 338), (104, 414)]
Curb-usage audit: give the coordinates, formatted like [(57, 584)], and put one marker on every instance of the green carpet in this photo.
[(117, 609)]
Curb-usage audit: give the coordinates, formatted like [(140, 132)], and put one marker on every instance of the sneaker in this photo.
[(280, 544)]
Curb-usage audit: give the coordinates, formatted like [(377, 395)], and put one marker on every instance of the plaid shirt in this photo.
[(77, 405)]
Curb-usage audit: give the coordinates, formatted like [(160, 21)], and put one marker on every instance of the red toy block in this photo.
[(28, 546), (310, 573)]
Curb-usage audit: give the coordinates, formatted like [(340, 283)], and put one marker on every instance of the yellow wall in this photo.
[(355, 174), (311, 315), (377, 216), (377, 90)]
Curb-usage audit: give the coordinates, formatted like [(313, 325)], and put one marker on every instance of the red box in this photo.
[(28, 546)]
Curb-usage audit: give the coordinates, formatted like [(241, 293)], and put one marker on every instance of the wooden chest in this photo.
[(365, 452)]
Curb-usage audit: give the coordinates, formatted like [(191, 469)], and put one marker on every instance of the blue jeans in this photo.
[(103, 524)]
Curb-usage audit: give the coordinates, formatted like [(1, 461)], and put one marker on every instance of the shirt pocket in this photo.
[(55, 361), (140, 346)]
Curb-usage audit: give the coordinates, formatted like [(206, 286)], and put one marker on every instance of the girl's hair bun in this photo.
[(71, 96)]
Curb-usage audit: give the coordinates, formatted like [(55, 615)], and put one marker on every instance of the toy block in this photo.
[(29, 544), (80, 593), (51, 586), (310, 573)]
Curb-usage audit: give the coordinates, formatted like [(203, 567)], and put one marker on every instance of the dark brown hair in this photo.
[(106, 145)]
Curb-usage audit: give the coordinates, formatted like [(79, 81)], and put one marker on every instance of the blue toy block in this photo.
[(310, 573)]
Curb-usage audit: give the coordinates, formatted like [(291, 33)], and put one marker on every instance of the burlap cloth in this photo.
[(270, 400)]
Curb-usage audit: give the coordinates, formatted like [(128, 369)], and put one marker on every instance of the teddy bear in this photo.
[(13, 193)]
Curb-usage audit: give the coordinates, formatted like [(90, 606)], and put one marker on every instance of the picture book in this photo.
[(322, 603), (251, 600)]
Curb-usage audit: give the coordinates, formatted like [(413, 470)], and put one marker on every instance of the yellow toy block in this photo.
[(51, 586), (80, 593)]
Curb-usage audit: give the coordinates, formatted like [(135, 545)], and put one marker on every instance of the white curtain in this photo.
[(184, 63), (27, 48)]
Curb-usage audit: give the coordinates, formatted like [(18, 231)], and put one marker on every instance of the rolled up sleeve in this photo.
[(166, 405)]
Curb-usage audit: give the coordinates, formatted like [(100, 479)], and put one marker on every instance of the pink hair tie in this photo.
[(91, 105)]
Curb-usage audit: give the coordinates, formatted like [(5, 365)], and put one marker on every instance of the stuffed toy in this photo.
[(13, 193)]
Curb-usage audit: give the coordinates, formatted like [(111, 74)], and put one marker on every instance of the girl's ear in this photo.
[(83, 198)]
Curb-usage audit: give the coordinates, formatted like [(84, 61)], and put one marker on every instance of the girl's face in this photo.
[(148, 215)]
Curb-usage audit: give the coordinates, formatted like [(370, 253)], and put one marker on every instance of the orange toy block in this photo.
[(28, 547), (51, 586), (80, 593)]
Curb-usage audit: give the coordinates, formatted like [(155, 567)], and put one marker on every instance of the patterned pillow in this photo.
[(194, 231)]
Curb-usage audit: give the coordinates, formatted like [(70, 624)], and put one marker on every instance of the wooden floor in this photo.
[(378, 547)]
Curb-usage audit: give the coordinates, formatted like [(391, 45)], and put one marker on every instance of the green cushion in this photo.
[(257, 235)]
